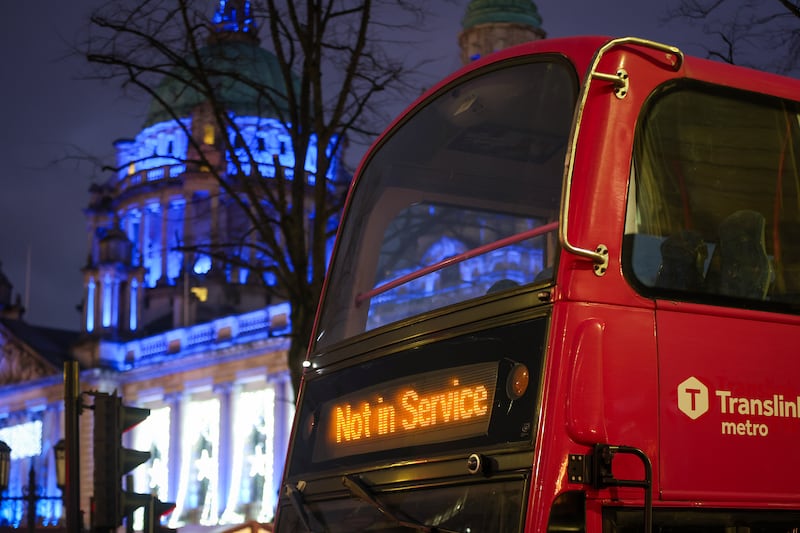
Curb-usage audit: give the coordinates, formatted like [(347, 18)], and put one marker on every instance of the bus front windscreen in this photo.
[(459, 200)]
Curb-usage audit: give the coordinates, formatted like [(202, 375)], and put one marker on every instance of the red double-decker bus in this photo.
[(564, 297)]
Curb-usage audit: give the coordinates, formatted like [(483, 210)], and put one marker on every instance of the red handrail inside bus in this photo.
[(469, 254)]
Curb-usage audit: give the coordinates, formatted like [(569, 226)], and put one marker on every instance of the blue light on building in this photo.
[(228, 19), (133, 319), (90, 304)]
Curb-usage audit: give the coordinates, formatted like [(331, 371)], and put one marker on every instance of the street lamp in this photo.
[(5, 466), (60, 450)]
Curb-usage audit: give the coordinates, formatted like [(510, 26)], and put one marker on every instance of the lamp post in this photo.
[(72, 412), (5, 466), (60, 451)]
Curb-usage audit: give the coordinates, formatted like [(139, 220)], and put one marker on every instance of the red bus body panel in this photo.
[(653, 355)]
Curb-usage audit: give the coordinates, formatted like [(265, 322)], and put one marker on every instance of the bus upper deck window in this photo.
[(463, 193), (714, 200)]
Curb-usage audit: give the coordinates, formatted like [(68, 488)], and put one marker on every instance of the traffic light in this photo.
[(153, 511), (112, 462)]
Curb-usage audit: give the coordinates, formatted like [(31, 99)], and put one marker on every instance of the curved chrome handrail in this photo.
[(600, 254)]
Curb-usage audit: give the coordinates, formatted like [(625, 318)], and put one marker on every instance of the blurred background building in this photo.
[(198, 342)]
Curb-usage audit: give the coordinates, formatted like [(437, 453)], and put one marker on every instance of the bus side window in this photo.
[(713, 210)]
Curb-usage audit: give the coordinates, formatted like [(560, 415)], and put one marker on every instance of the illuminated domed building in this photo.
[(166, 324), (155, 225), (179, 330)]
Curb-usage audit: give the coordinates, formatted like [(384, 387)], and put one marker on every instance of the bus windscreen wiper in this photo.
[(361, 491), (300, 507)]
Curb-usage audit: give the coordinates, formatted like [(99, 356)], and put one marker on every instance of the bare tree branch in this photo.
[(335, 64), (763, 34)]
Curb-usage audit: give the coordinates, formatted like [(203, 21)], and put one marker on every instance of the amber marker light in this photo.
[(517, 382)]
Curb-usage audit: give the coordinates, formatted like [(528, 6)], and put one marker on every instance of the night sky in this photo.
[(51, 113)]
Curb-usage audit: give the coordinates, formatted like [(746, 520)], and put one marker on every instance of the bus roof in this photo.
[(580, 50)]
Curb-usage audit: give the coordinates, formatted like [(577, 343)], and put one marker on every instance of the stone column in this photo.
[(48, 477), (284, 411), (226, 426), (175, 402)]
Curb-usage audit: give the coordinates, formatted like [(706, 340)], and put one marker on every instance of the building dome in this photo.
[(509, 11), (492, 25), (244, 57)]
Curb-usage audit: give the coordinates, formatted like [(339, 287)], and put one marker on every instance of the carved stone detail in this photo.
[(18, 364)]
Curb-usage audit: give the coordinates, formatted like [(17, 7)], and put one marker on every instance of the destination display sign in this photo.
[(439, 406)]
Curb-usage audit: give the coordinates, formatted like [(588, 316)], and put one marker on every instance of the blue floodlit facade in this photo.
[(200, 343), (197, 341), (189, 336)]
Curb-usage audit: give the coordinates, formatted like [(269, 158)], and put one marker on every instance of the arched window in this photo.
[(90, 299), (133, 320), (202, 265), (208, 134), (107, 301)]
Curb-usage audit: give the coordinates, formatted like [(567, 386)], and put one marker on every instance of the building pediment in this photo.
[(18, 365), (28, 353)]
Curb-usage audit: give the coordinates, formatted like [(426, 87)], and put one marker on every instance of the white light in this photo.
[(24, 439), (253, 457), (199, 461)]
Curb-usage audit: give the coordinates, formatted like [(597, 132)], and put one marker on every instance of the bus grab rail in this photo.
[(595, 469), (600, 254), (469, 254)]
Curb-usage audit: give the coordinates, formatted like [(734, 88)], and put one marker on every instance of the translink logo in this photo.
[(692, 397), (741, 416)]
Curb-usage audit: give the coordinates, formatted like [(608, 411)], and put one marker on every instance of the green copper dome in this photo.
[(246, 60), (514, 11)]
